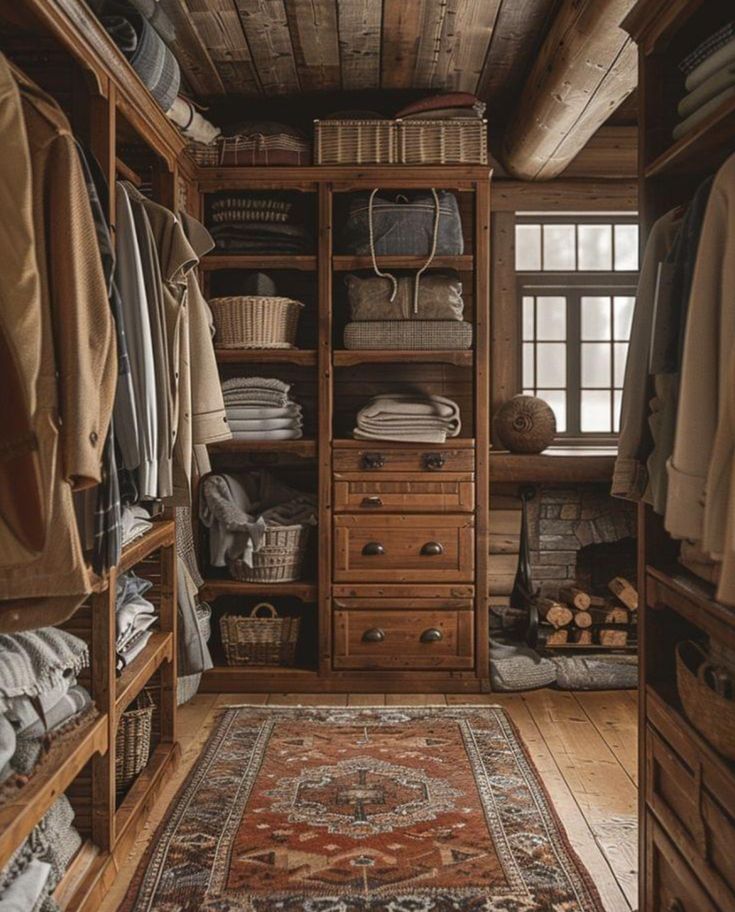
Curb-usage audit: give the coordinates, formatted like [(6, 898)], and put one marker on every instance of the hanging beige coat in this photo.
[(77, 371), (701, 497)]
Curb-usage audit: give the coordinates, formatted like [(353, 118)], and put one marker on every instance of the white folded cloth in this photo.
[(711, 87), (686, 126), (136, 521), (259, 412), (408, 417), (721, 58), (28, 889)]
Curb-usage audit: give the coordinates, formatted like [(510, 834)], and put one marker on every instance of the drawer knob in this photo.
[(373, 549), (372, 501), (373, 460), (374, 635), (432, 635), (433, 462), (432, 549)]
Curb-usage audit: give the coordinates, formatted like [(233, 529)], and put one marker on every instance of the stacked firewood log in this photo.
[(577, 618)]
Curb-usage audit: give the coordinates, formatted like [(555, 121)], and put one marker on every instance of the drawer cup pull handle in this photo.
[(373, 549), (372, 501), (374, 635), (432, 635), (434, 461), (432, 549), (373, 460)]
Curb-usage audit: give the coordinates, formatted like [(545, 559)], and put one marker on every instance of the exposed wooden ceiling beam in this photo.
[(517, 35), (313, 27), (266, 29), (218, 23), (359, 42), (191, 52), (586, 67)]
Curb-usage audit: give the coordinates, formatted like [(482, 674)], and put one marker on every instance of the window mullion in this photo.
[(574, 359)]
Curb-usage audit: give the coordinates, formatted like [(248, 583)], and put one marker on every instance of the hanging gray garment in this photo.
[(141, 440), (193, 652)]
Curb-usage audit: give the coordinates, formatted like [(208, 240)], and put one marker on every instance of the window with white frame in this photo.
[(576, 287)]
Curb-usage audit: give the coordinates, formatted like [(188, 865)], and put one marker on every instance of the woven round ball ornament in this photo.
[(525, 424)]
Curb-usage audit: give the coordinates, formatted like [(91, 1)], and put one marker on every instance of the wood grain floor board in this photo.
[(585, 767)]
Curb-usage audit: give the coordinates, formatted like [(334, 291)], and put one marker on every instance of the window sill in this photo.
[(556, 465)]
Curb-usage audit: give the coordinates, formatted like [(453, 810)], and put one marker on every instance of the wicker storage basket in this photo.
[(257, 640), (710, 713), (278, 561), (442, 142), (251, 321), (133, 740), (355, 142)]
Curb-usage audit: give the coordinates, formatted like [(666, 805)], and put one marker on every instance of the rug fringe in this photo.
[(376, 706)]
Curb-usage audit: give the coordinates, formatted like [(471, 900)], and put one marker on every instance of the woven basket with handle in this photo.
[(133, 740), (255, 321), (711, 713), (279, 559), (256, 640)]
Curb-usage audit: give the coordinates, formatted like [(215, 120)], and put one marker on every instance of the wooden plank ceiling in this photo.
[(266, 48)]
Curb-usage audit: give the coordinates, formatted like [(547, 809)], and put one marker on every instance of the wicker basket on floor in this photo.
[(258, 640), (133, 740), (279, 559), (254, 321)]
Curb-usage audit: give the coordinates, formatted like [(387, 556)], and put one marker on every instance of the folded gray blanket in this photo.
[(36, 661), (262, 413), (264, 424), (407, 417)]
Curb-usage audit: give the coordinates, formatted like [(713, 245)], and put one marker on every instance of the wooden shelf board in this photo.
[(304, 448), (304, 590), (346, 263), (453, 443), (134, 677), (375, 356), (215, 261), (86, 866), (305, 357), (134, 804), (163, 533), (567, 465), (693, 599), (58, 770), (243, 678), (703, 148)]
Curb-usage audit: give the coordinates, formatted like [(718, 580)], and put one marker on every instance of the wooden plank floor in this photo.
[(583, 745)]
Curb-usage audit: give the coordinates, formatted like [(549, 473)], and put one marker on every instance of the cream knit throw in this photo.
[(408, 417)]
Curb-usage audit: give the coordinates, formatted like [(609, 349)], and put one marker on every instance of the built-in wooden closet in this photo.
[(687, 793)]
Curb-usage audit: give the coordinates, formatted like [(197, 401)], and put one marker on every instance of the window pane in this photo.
[(596, 364), (527, 318), (621, 354), (595, 411), (551, 317), (551, 364), (623, 316), (528, 369), (596, 318), (626, 247), (557, 399), (595, 247), (528, 247), (617, 402), (559, 247)]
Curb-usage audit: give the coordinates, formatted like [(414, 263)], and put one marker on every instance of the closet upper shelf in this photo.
[(215, 261), (704, 148), (304, 448), (428, 356), (348, 263), (302, 356), (556, 465)]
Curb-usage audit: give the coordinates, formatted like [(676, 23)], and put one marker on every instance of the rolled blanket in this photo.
[(407, 417), (709, 89), (36, 661)]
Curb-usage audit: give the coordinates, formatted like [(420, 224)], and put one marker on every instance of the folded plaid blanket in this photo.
[(36, 661)]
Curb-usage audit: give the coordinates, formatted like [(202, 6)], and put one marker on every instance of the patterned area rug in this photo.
[(425, 809)]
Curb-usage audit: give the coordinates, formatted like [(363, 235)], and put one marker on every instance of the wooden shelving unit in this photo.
[(306, 449), (216, 261), (686, 787), (344, 358), (552, 467), (341, 263), (302, 357), (302, 589)]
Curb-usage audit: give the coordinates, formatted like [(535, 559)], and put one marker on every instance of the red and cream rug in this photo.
[(425, 809)]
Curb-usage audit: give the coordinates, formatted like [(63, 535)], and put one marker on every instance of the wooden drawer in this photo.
[(670, 885), (368, 634), (387, 458), (413, 492), (692, 793), (403, 548)]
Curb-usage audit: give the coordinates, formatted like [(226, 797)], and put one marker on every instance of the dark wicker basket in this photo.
[(257, 640), (708, 711), (133, 740)]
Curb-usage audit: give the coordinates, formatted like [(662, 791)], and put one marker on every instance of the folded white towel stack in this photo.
[(408, 417), (259, 408)]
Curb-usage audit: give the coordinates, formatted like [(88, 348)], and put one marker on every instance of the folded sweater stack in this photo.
[(268, 222), (408, 418), (710, 78), (135, 617), (259, 408)]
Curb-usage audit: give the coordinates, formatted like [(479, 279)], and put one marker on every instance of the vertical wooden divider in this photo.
[(168, 612), (325, 425), (102, 649), (482, 425)]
